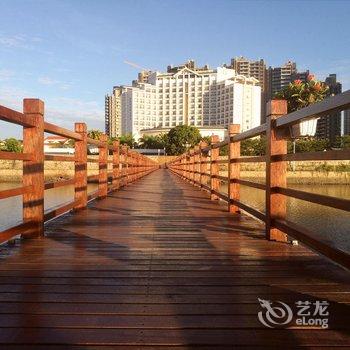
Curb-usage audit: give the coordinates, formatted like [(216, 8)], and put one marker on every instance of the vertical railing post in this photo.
[(234, 152), (116, 163), (102, 166), (214, 167), (80, 165), (202, 165), (276, 171), (33, 170)]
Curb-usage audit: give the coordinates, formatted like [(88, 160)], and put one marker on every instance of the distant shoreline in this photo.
[(306, 172)]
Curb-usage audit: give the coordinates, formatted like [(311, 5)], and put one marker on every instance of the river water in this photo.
[(11, 208), (330, 225)]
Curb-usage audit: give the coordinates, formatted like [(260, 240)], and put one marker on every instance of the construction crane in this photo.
[(132, 64)]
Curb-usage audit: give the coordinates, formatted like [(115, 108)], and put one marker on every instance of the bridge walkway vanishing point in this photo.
[(158, 265)]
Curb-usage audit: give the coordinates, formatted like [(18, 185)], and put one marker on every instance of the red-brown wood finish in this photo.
[(158, 266), (277, 132), (80, 188), (116, 165), (234, 151), (214, 167), (202, 165), (102, 165), (33, 170), (276, 172), (33, 157)]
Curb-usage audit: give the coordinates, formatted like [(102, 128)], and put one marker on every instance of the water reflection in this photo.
[(331, 224), (11, 208)]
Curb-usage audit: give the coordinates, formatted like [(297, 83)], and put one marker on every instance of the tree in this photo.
[(345, 141), (94, 134), (300, 94), (254, 147), (127, 139), (12, 145), (110, 140), (309, 144), (342, 142), (181, 138), (152, 142)]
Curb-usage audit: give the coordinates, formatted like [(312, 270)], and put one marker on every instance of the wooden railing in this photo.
[(200, 166), (127, 167)]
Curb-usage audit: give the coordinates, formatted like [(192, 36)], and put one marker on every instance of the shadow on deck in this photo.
[(157, 265)]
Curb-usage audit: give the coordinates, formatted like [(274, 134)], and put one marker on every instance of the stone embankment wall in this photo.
[(11, 170), (318, 172), (330, 172)]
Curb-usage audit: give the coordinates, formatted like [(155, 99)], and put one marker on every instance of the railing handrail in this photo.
[(127, 167), (200, 168)]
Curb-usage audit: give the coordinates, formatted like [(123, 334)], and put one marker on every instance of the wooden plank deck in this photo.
[(157, 265)]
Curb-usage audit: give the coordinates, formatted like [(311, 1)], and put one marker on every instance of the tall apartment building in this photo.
[(301, 75), (256, 69), (190, 64), (280, 77), (271, 80), (139, 108), (197, 96), (113, 112), (329, 127), (251, 68), (142, 77)]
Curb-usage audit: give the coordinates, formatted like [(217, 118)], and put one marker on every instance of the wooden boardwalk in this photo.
[(158, 265)]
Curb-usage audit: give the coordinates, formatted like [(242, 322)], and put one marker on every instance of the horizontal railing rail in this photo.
[(201, 167), (127, 166)]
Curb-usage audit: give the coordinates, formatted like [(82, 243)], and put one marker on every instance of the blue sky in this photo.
[(71, 53)]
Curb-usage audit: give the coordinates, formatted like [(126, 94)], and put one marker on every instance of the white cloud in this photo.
[(61, 111), (6, 74), (12, 97), (47, 81), (65, 86), (72, 109), (15, 41)]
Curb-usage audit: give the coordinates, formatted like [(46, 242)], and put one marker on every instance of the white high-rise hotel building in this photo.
[(186, 95)]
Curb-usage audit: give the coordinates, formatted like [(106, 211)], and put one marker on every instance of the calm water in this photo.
[(11, 208), (332, 225)]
